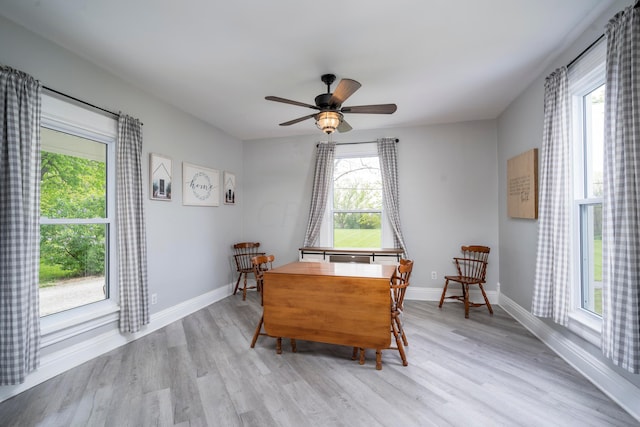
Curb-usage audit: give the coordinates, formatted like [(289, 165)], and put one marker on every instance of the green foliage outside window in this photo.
[(72, 187)]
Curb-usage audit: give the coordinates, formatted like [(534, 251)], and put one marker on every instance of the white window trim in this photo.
[(325, 238), (586, 75), (586, 325), (62, 115)]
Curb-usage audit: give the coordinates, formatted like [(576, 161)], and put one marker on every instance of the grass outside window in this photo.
[(357, 238)]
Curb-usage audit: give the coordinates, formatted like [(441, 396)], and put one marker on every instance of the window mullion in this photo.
[(45, 220)]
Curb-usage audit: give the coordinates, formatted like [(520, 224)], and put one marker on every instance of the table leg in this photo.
[(378, 359)]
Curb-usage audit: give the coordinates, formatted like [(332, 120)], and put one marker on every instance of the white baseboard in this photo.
[(618, 388), (61, 361)]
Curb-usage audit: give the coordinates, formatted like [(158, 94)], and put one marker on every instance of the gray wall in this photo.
[(448, 193), (188, 247), (520, 129)]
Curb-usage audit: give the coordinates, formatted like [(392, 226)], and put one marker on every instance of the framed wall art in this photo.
[(200, 185), (522, 185), (159, 177), (229, 188)]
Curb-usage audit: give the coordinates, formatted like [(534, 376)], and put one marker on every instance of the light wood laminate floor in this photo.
[(200, 371)]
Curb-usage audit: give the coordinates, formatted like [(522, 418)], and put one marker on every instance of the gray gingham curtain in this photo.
[(132, 238), (389, 169), (551, 296), (322, 181), (20, 112), (621, 204)]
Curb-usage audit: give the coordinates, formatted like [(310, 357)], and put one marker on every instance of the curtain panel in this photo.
[(387, 153), (552, 285), (322, 181), (132, 238), (20, 111), (621, 203)]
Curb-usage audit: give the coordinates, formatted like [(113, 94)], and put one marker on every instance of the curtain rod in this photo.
[(353, 143), (585, 51), (83, 102), (635, 6)]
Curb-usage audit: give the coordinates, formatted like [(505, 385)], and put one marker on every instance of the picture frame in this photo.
[(200, 185), (229, 188), (522, 185), (160, 177)]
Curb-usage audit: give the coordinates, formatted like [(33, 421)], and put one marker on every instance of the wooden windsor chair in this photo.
[(472, 269), (242, 254)]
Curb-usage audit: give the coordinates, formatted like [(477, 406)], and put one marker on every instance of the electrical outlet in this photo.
[(434, 275), (154, 298)]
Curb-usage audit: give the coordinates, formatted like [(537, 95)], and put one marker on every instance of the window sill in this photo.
[(586, 325), (68, 324)]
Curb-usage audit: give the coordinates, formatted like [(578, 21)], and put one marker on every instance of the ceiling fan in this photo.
[(329, 117)]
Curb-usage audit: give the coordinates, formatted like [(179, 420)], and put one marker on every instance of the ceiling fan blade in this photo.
[(344, 90), (371, 109), (344, 126), (294, 121), (288, 101)]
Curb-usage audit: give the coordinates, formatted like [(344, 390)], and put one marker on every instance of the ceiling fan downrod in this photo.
[(323, 101)]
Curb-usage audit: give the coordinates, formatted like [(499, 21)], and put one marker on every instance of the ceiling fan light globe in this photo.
[(328, 121)]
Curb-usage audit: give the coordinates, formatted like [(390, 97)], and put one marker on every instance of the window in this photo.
[(355, 217), (357, 203), (587, 91), (589, 200), (76, 207)]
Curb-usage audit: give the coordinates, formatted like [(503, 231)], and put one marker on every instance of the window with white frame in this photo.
[(587, 90), (354, 217), (77, 206)]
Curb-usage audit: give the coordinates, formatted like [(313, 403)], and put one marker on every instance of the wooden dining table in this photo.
[(335, 303)]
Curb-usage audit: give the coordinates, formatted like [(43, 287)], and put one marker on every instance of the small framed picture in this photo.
[(229, 188), (200, 185), (160, 177)]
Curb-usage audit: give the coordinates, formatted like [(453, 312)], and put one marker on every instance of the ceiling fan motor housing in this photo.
[(323, 101)]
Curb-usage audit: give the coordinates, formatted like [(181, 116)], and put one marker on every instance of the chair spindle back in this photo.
[(400, 283), (473, 263), (243, 252)]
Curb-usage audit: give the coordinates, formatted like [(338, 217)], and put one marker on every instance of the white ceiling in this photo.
[(438, 60)]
